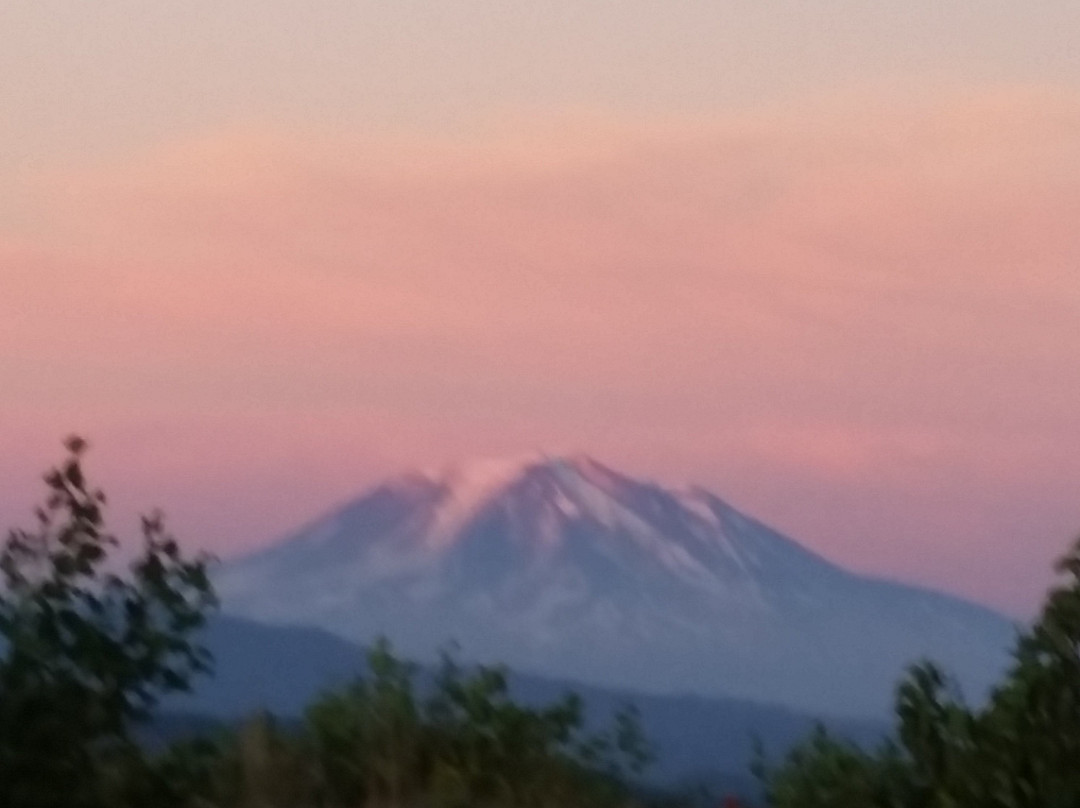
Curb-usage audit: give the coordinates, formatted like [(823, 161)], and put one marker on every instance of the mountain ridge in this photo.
[(282, 669), (563, 566)]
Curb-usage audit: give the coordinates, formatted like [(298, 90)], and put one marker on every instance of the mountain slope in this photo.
[(564, 567)]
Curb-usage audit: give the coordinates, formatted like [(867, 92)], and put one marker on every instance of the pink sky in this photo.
[(853, 312)]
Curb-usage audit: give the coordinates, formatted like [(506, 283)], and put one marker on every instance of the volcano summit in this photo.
[(564, 567)]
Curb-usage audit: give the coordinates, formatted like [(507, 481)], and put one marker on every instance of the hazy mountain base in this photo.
[(697, 740)]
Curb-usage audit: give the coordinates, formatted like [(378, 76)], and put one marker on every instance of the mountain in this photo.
[(564, 567), (281, 669), (259, 667)]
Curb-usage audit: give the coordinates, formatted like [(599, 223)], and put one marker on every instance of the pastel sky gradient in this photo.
[(823, 258)]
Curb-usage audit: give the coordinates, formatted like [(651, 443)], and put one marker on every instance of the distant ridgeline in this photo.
[(281, 669)]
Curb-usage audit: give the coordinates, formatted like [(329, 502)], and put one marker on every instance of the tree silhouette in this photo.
[(86, 650)]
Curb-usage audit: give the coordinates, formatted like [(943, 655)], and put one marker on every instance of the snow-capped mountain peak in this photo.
[(466, 489), (561, 565), (568, 487)]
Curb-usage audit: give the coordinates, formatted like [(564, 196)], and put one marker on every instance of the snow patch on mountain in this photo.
[(563, 566)]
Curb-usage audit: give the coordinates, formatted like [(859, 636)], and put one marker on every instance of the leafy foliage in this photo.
[(1020, 750), (458, 742), (87, 651)]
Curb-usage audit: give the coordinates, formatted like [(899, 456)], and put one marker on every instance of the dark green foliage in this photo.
[(87, 651), (378, 742), (1021, 750), (825, 772), (468, 743)]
